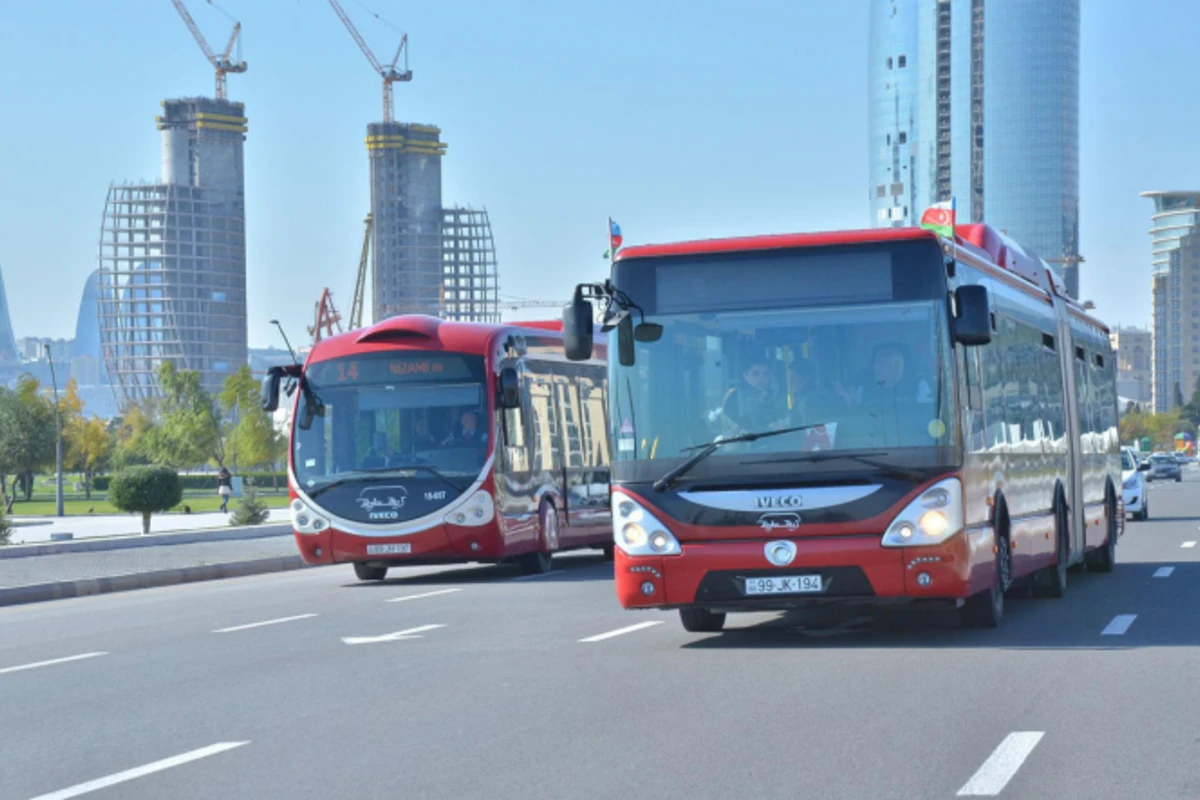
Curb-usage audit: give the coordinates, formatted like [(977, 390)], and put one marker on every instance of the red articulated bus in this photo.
[(421, 441), (861, 417)]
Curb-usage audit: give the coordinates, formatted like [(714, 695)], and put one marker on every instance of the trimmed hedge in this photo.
[(198, 482)]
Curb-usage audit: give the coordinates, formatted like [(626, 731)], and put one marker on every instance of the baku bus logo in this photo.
[(382, 502), (772, 521)]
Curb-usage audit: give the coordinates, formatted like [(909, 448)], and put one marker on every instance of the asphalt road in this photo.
[(473, 682)]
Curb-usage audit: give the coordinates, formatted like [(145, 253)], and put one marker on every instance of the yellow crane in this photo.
[(222, 65), (389, 73)]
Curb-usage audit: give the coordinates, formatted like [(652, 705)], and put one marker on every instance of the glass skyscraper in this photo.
[(1175, 288), (979, 100)]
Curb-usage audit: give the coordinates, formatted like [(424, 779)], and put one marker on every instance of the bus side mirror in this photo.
[(270, 390), (973, 320), (508, 389), (578, 328), (648, 332)]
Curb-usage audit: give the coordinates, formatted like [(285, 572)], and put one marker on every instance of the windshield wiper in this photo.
[(707, 450), (861, 458), (355, 476), (401, 467)]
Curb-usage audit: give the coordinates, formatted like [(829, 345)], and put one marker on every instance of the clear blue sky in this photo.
[(690, 118)]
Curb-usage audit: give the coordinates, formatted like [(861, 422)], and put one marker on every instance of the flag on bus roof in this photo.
[(614, 236), (939, 218)]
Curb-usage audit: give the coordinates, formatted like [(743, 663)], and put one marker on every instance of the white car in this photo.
[(1133, 486)]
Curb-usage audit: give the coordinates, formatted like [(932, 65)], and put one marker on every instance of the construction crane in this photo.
[(326, 319), (517, 303), (222, 65), (389, 73), (360, 285)]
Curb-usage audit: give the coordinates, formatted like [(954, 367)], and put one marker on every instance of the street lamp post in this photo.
[(58, 442)]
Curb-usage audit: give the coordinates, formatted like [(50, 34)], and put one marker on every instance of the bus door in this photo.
[(1074, 488)]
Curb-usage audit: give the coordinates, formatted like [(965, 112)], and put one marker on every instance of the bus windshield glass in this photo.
[(860, 350), (408, 413)]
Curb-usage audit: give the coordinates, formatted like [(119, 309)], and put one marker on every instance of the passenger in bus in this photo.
[(888, 379), (381, 454), (422, 439), (753, 405), (467, 433)]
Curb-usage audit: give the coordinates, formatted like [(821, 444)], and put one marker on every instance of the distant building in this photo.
[(978, 100), (33, 348), (1135, 355), (263, 358), (469, 278), (10, 359), (87, 322), (172, 277), (1175, 292)]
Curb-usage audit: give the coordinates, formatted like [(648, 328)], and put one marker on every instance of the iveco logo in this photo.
[(780, 553), (780, 501)]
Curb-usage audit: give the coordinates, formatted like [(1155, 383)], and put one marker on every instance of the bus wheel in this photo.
[(701, 620), (608, 552), (1053, 579), (369, 573), (1103, 559), (540, 561), (986, 609)]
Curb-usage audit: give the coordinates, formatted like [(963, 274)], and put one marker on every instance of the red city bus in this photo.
[(421, 441), (864, 417)]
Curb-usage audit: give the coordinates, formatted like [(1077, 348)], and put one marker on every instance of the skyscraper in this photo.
[(979, 100), (10, 360), (172, 277), (1175, 292)]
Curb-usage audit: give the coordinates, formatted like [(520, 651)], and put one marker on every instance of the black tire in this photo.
[(701, 620), (1104, 558), (1179, 477), (366, 572), (1144, 514), (609, 552), (1052, 581), (986, 609), (541, 561)]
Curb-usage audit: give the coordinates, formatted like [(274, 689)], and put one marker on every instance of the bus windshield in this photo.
[(407, 413)]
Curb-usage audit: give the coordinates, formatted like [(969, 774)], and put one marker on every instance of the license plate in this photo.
[(795, 584), (388, 549)]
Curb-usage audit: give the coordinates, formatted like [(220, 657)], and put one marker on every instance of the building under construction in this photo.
[(173, 255), (469, 285)]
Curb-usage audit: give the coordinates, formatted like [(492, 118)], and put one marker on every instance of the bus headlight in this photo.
[(934, 516), (478, 510), (305, 519), (638, 532)]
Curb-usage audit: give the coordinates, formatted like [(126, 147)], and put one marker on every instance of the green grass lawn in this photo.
[(43, 506)]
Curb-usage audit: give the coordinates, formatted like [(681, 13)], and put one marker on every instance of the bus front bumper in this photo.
[(854, 569), (438, 544)]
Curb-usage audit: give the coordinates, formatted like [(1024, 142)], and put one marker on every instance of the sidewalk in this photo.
[(38, 577), (31, 530)]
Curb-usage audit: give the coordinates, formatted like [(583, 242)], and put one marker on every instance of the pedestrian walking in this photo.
[(224, 487)]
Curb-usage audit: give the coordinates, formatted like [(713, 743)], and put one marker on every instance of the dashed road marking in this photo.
[(1163, 572), (398, 636), (1001, 765), (51, 662), (621, 631), (422, 594), (263, 624), (1188, 544), (139, 772), (1120, 623)]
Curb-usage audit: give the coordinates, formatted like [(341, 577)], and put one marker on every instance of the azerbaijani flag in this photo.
[(614, 236), (939, 218)]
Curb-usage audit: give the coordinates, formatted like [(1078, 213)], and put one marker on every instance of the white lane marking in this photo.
[(423, 594), (539, 575), (1163, 572), (621, 631), (411, 633), (1002, 764), (50, 663), (1188, 544), (139, 772), (1120, 623), (262, 624)]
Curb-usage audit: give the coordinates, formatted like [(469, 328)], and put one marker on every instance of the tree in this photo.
[(27, 433), (188, 434), (146, 490), (130, 434), (251, 511), (5, 528), (88, 446), (1191, 411), (251, 438)]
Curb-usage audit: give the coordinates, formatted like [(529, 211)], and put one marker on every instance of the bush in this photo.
[(5, 527), (205, 482), (251, 511), (145, 490)]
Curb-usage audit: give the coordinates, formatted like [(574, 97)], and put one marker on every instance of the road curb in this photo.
[(58, 590), (153, 540)]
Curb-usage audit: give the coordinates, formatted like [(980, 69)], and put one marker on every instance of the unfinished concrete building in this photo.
[(173, 255), (469, 284), (406, 201)]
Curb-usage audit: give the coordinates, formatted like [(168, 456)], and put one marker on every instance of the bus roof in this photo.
[(986, 243), (424, 332)]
